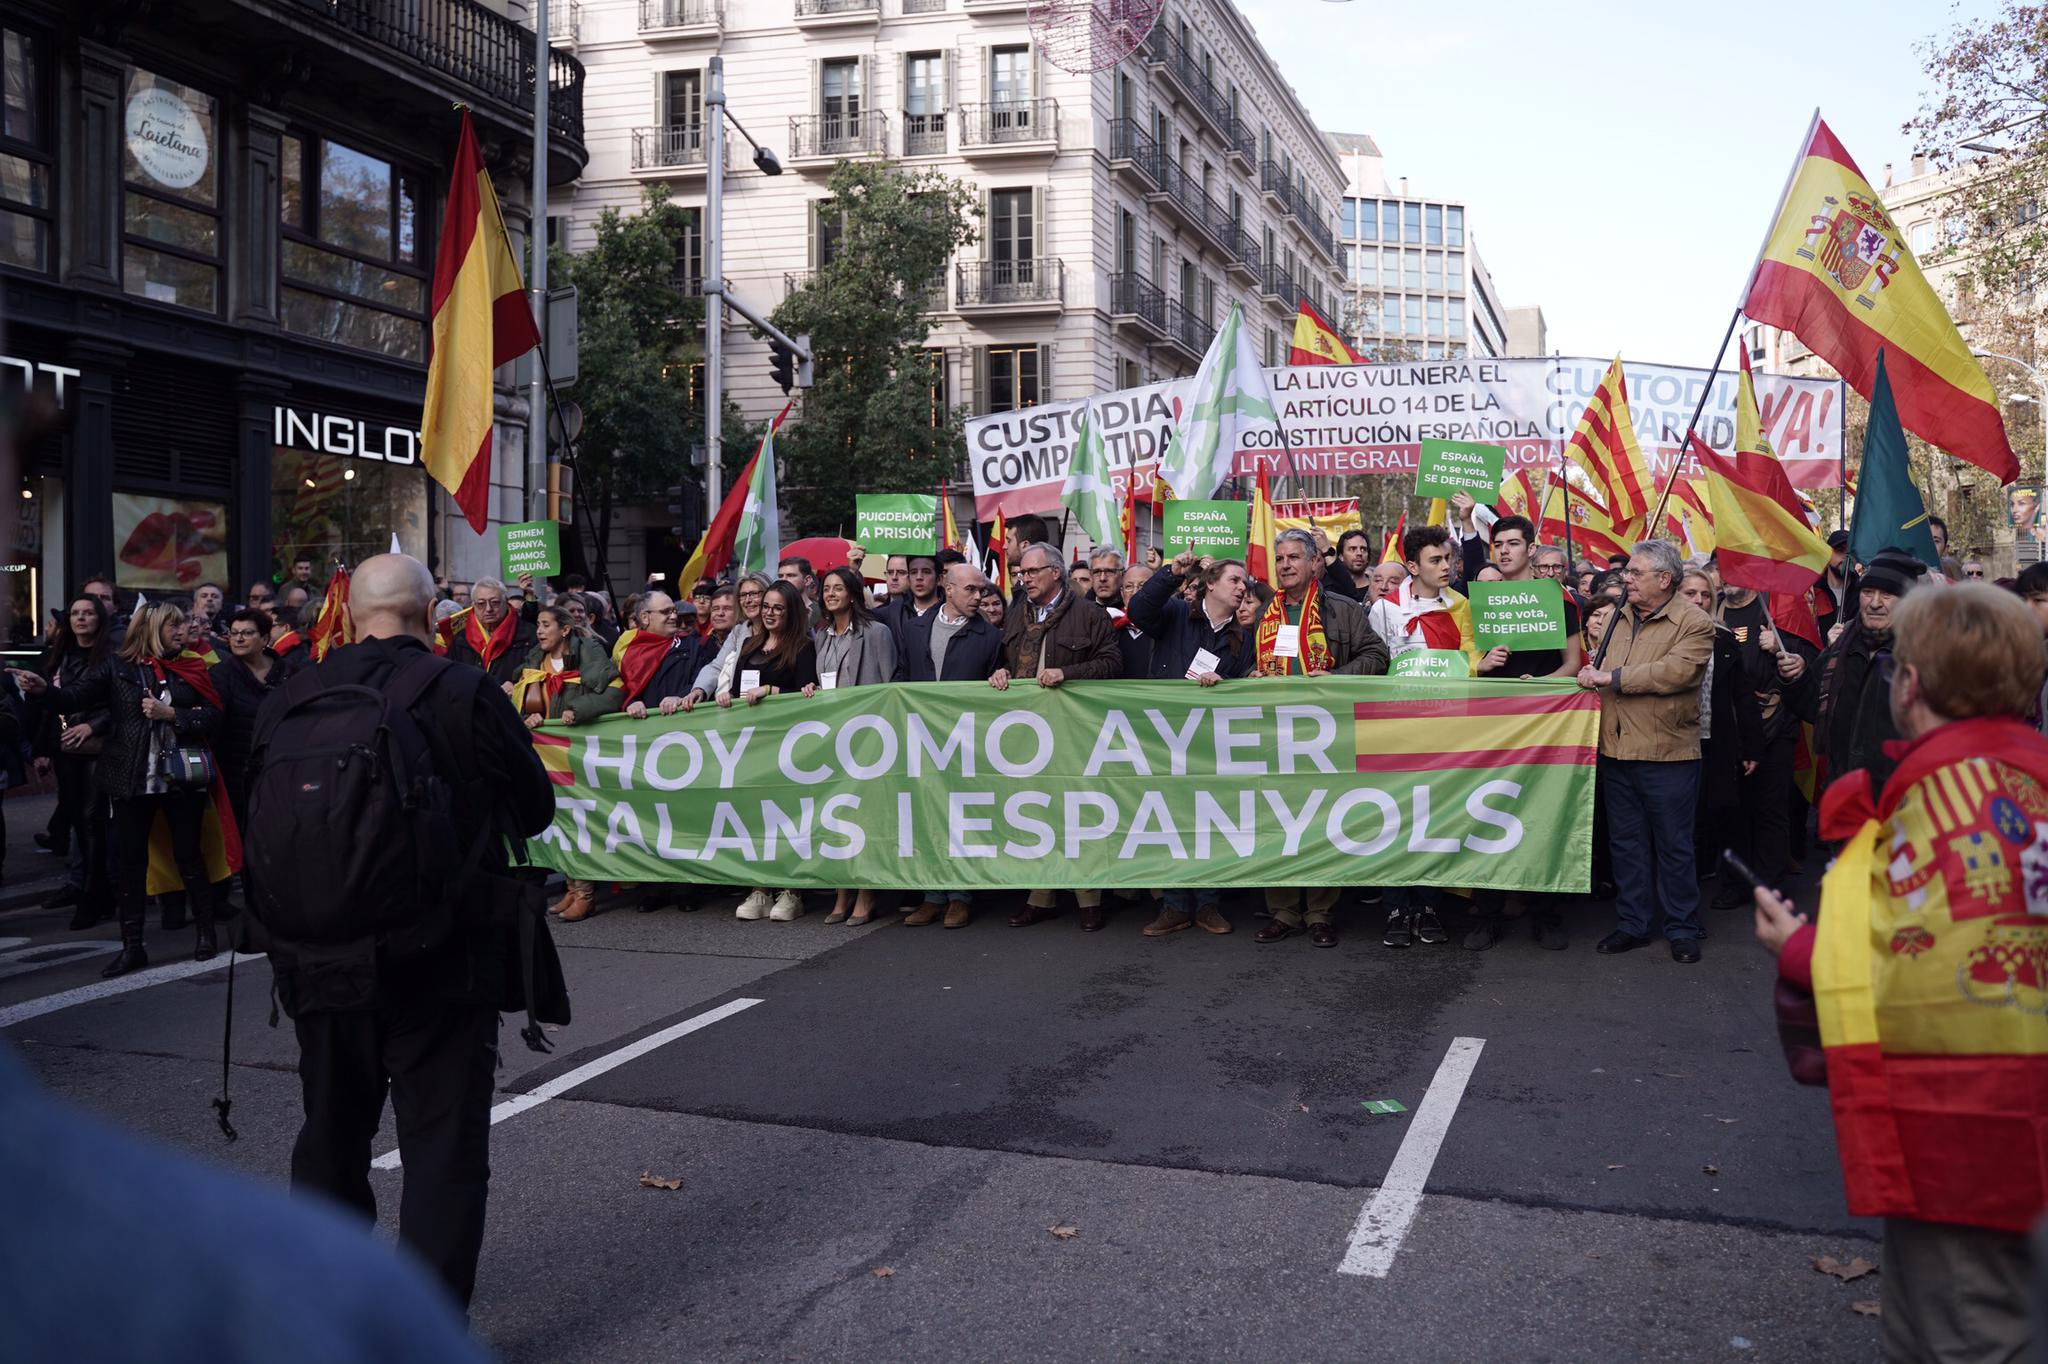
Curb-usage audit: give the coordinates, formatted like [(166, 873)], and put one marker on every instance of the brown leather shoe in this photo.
[(1169, 921), (1093, 917), (1210, 919), (1322, 935), (1032, 914), (957, 914), (1274, 931), (577, 905), (922, 915)]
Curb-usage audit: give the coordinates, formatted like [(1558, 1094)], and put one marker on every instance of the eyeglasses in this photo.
[(1042, 568), (1973, 573)]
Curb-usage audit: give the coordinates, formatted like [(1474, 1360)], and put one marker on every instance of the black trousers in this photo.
[(439, 1062), (184, 812), (85, 811), (1767, 808)]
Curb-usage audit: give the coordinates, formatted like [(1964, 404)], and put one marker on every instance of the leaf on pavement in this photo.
[(884, 1272), (1869, 1307), (1710, 1169), (1064, 1232), (1843, 1270), (651, 1181), (1617, 1167), (1727, 1120)]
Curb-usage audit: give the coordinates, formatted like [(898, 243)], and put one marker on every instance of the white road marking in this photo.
[(10, 943), (1384, 1221), (119, 985), (23, 961), (590, 1070)]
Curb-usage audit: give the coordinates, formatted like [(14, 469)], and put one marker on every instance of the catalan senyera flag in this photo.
[(481, 321), (714, 550), (1604, 447), (1765, 541), (1258, 545), (333, 626), (1837, 274), (1316, 342)]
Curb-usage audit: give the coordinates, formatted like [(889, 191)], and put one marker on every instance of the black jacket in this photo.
[(901, 617), (1178, 628), (51, 717), (507, 790), (1738, 726), (676, 673), (241, 697), (123, 767), (1847, 703), (506, 667), (1337, 579), (973, 656)]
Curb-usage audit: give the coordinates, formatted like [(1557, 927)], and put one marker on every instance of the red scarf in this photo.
[(190, 669), (489, 648), (639, 654), (286, 642)]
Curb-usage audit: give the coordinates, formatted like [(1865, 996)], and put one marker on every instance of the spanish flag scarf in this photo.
[(1315, 649), (220, 841), (489, 645), (550, 683), (638, 654)]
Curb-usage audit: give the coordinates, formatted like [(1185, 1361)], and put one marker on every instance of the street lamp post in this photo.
[(2039, 397)]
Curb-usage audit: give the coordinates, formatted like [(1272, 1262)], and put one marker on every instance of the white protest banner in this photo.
[(1346, 420)]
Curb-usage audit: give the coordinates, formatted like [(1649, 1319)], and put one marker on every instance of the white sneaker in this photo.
[(788, 905), (755, 906)]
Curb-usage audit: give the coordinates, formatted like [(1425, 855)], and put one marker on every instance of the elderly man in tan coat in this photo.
[(1648, 670)]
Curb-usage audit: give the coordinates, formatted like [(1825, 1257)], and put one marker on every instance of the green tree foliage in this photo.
[(869, 423)]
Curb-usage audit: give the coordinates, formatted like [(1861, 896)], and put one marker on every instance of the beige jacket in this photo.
[(1652, 712)]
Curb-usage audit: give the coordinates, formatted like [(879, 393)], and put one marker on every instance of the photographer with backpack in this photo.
[(387, 784)]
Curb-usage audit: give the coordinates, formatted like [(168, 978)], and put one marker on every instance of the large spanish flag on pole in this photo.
[(1836, 273), (1763, 540), (481, 321), (1316, 342)]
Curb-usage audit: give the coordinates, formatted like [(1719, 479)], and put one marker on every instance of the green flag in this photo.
[(1889, 511), (757, 541), (1088, 492), (1231, 400)]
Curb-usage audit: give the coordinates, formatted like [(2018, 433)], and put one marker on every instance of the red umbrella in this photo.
[(824, 551)]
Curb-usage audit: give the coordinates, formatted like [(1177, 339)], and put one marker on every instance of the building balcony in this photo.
[(1131, 151), (1275, 185), (672, 153), (1021, 127), (1279, 288), (818, 140), (1241, 144), (1183, 199), (995, 6), (1318, 233), (1137, 305), (565, 17), (924, 6), (1032, 285), (1168, 57), (1188, 331), (680, 18), (924, 134), (1241, 253), (837, 13)]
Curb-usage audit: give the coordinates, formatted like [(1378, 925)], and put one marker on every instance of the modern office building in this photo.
[(218, 223), (1528, 333), (1414, 284), (1124, 211)]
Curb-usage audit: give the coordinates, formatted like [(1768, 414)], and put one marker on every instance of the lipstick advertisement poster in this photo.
[(169, 545)]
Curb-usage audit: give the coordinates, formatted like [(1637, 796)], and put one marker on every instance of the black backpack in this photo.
[(352, 838)]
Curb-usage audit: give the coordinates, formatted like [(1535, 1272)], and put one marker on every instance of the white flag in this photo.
[(1231, 400), (1088, 491)]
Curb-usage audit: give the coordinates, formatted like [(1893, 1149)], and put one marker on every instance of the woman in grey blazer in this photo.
[(854, 650)]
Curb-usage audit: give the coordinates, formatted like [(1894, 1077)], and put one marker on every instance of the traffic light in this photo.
[(782, 364)]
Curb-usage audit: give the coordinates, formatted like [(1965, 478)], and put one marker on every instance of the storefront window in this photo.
[(171, 210), (351, 253), (338, 507)]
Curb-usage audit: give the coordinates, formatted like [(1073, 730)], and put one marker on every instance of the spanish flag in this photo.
[(1390, 553), (1258, 550), (481, 321), (333, 626), (949, 529), (1837, 274), (1604, 446), (999, 554), (1316, 342), (1761, 532)]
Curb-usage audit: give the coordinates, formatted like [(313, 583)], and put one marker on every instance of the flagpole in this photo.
[(1778, 209), (1563, 444), (1684, 445)]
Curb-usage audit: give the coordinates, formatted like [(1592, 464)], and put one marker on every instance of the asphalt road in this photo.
[(1629, 1173)]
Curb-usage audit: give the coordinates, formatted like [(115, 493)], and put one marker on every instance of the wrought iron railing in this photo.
[(1136, 296), (658, 148), (808, 9), (812, 135), (1014, 120), (479, 47), (924, 134), (1187, 330), (657, 14), (993, 282)]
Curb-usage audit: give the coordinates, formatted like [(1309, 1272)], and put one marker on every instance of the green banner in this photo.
[(896, 523), (1330, 781), (530, 547), (1215, 530), (1431, 663), (1445, 467), (1525, 615)]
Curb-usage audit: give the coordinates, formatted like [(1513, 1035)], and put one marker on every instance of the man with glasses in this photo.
[(1648, 675), (1973, 569), (490, 635), (1054, 637)]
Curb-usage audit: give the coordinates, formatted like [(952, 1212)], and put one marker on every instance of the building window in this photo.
[(351, 258), (1369, 219), (171, 238), (828, 229), (839, 98), (1411, 269), (1009, 75), (1411, 224), (1433, 271), (26, 187), (689, 247), (1922, 238), (1390, 315), (1457, 310), (1012, 378), (941, 400), (1347, 220), (1390, 221), (1369, 267), (1454, 226), (682, 113), (1272, 349), (924, 104), (1012, 234), (1436, 317), (1208, 300), (1127, 373), (1126, 243), (1188, 286), (1413, 308), (1433, 225), (1454, 272)]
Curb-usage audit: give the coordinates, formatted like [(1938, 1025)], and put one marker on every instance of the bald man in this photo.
[(422, 1025)]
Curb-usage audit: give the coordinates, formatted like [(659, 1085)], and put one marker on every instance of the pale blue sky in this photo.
[(1620, 162)]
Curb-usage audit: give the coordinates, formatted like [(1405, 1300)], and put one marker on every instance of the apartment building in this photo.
[(1414, 284), (1124, 210)]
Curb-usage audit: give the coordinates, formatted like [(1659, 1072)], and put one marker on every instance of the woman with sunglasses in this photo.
[(781, 660)]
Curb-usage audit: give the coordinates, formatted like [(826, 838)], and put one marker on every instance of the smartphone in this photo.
[(1738, 868)]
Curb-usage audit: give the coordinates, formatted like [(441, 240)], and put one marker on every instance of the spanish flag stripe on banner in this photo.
[(1474, 706), (1541, 755), (1490, 730), (481, 321), (553, 752), (1836, 272)]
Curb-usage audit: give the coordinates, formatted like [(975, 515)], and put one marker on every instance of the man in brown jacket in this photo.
[(1649, 669), (1054, 637)]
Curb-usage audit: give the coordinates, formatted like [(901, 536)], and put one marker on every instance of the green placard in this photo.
[(530, 547), (1525, 615), (896, 523), (1460, 466), (1431, 663), (1215, 530)]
